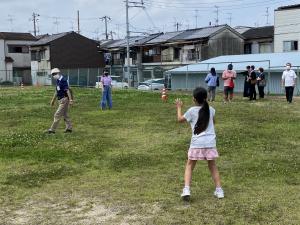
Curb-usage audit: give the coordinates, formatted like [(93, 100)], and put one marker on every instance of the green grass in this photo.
[(125, 166)]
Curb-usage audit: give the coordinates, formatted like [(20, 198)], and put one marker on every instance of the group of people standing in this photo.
[(253, 78)]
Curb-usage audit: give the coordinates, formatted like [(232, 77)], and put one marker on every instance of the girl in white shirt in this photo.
[(203, 141)]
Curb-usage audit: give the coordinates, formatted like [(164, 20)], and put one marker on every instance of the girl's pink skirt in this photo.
[(203, 154)]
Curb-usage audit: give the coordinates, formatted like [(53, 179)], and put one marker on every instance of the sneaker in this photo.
[(219, 193), (68, 131), (186, 193), (50, 131)]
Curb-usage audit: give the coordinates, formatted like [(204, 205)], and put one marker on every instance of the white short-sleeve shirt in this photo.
[(288, 77), (206, 139)]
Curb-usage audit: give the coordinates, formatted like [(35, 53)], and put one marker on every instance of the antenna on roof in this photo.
[(11, 20), (217, 15), (267, 15), (196, 17)]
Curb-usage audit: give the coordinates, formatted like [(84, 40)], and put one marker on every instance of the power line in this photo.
[(190, 7)]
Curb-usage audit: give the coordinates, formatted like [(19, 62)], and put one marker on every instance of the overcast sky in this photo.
[(158, 15)]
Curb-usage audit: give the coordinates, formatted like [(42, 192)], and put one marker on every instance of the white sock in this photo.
[(187, 187), (218, 189)]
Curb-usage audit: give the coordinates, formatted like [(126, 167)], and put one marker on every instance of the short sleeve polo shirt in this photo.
[(61, 88)]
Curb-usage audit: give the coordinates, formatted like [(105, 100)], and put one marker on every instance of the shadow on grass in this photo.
[(39, 176)]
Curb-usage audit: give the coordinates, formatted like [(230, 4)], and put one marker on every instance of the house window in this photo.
[(289, 46), (18, 49), (176, 53), (265, 48), (34, 56), (42, 54), (248, 48)]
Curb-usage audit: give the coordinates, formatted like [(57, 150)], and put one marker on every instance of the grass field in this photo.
[(125, 166)]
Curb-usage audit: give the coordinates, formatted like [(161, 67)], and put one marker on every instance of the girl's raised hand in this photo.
[(178, 102)]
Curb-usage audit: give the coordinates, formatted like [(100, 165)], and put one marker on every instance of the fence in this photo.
[(189, 78)]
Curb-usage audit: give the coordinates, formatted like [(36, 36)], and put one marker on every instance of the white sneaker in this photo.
[(186, 193), (219, 193)]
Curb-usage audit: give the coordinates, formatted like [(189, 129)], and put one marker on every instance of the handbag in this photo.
[(231, 84), (262, 83), (253, 81)]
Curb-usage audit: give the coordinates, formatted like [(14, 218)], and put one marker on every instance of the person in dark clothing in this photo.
[(261, 82), (252, 79), (246, 83)]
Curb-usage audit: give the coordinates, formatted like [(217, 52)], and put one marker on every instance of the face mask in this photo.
[(56, 77), (288, 67)]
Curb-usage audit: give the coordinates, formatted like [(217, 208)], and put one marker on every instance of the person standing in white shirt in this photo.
[(203, 141), (289, 82)]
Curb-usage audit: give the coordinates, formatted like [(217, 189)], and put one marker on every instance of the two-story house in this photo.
[(259, 40), (15, 57), (71, 52), (287, 28)]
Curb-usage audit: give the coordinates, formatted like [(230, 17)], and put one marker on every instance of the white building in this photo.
[(287, 29), (15, 57)]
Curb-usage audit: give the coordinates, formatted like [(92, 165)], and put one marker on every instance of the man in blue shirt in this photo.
[(63, 95)]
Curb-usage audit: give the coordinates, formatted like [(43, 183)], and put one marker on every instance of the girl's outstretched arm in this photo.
[(180, 117)]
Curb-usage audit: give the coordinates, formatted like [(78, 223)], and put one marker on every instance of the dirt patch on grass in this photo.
[(76, 212)]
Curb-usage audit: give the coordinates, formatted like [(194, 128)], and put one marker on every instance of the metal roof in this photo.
[(147, 39), (288, 7), (277, 62), (17, 36), (259, 32), (47, 39), (122, 43), (164, 37), (197, 33)]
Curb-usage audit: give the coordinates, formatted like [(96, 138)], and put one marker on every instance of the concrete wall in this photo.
[(2, 59), (287, 28), (21, 60), (42, 66)]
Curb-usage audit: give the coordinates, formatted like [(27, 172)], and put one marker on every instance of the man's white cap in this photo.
[(55, 70)]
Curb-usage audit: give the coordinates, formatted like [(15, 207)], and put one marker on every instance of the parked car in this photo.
[(152, 84), (116, 82)]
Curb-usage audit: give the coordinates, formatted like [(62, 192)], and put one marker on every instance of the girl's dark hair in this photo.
[(261, 69), (200, 95), (230, 66), (213, 71)]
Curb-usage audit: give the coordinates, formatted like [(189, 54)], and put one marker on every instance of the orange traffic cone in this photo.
[(164, 95)]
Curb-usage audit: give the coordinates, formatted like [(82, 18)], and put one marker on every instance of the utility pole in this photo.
[(78, 23), (267, 15), (229, 18), (130, 5), (217, 15), (105, 19), (34, 19), (196, 17)]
